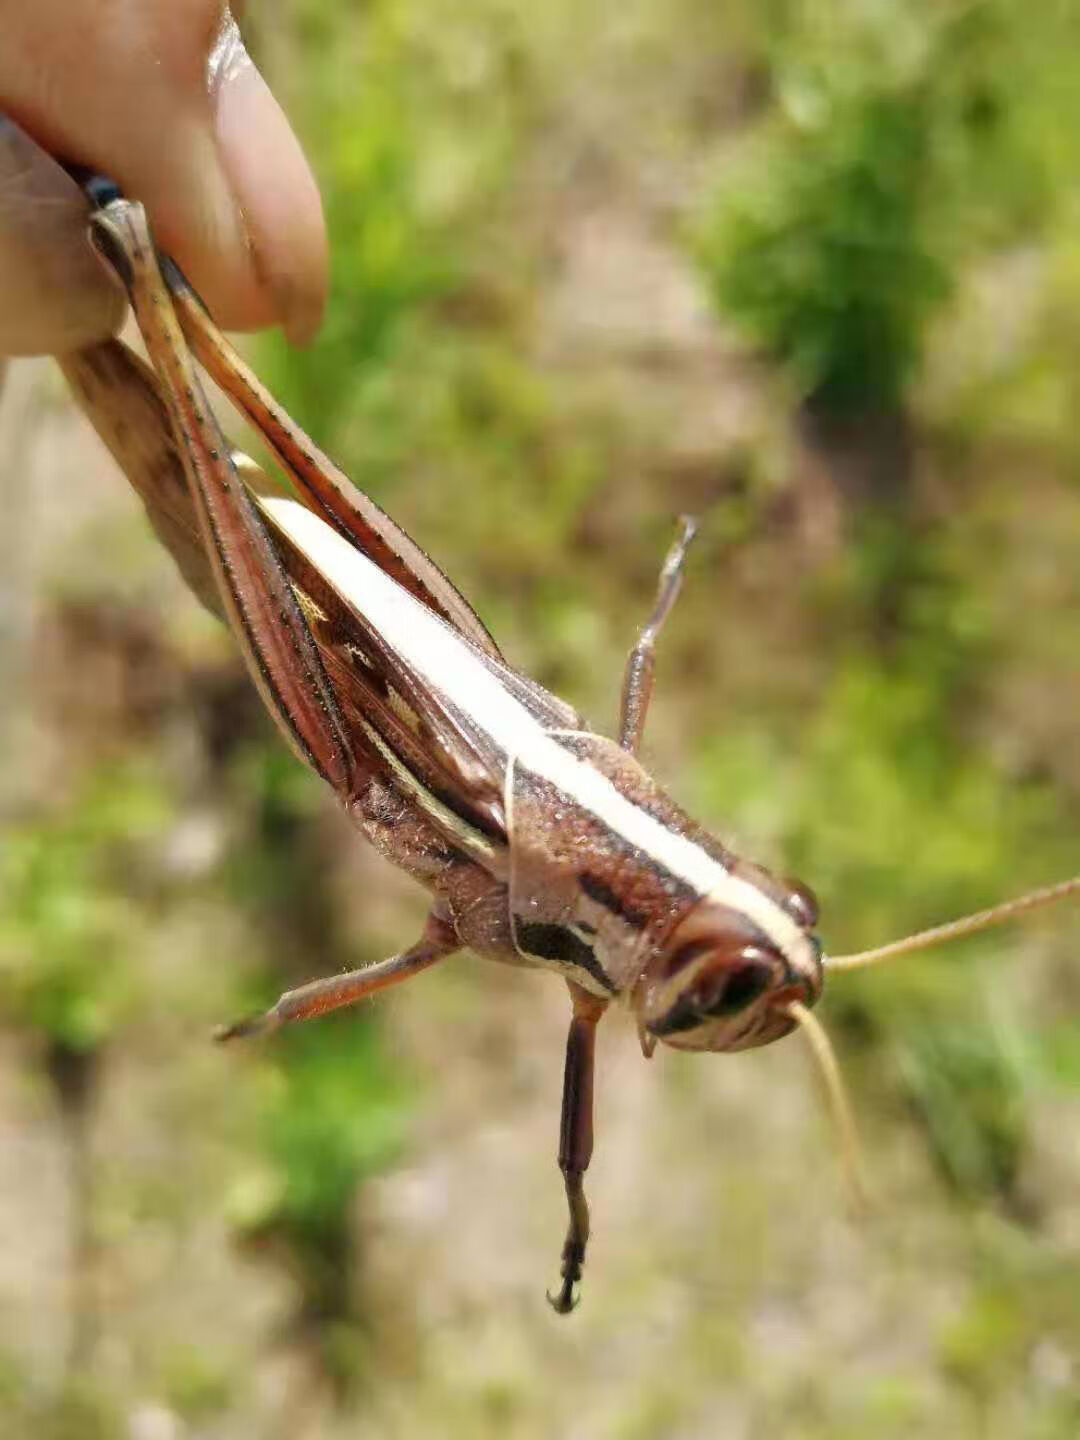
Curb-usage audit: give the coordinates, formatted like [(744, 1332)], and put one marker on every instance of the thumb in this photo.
[(162, 96)]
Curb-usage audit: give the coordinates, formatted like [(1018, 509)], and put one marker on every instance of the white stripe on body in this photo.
[(450, 664)]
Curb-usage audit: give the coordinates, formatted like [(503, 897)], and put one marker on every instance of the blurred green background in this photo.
[(812, 272)]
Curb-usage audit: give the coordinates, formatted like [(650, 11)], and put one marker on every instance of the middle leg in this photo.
[(334, 992)]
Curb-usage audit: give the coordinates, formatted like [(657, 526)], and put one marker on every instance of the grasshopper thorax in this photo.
[(725, 979)]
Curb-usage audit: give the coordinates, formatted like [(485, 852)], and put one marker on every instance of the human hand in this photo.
[(159, 95)]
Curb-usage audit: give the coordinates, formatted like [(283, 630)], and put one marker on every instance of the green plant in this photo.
[(331, 1107), (826, 258), (903, 140), (71, 918)]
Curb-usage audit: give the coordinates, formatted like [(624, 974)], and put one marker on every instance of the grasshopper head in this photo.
[(728, 972)]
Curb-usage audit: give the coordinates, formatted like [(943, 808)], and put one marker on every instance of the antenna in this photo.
[(839, 1105), (956, 929)]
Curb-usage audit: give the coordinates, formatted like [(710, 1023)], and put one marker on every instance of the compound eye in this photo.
[(732, 989), (734, 980), (801, 904)]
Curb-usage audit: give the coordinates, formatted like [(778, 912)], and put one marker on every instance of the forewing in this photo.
[(320, 484), (463, 705), (121, 397)]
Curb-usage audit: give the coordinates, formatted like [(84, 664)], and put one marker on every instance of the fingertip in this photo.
[(278, 197)]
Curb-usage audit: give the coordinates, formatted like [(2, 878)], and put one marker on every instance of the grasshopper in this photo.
[(541, 842)]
